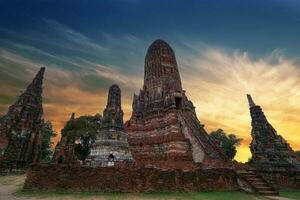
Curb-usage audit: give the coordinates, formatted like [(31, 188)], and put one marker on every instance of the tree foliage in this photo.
[(82, 131), (47, 150), (298, 153), (226, 142)]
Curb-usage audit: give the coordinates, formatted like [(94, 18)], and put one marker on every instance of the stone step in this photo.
[(254, 179), (261, 186), (245, 172), (250, 176), (268, 189), (271, 193)]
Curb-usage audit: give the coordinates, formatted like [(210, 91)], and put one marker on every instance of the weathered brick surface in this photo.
[(21, 129), (128, 178), (164, 127), (64, 149), (111, 140), (282, 179), (269, 150)]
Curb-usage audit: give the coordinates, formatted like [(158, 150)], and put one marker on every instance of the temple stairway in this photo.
[(257, 183), (198, 131)]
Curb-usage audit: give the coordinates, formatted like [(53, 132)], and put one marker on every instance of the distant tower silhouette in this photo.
[(269, 150)]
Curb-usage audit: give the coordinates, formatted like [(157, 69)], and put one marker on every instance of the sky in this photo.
[(224, 50)]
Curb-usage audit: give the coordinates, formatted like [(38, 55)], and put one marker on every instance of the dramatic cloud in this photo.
[(65, 91), (218, 82), (80, 70)]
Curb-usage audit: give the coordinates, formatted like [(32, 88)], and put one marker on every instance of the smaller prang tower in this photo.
[(64, 149), (269, 150), (21, 129), (111, 142)]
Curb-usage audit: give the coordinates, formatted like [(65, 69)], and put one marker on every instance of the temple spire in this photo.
[(72, 116), (269, 150), (113, 113), (35, 87), (22, 126), (250, 101)]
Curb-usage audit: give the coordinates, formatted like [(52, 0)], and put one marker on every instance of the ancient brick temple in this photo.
[(164, 130), (269, 150), (111, 142), (64, 149), (21, 129)]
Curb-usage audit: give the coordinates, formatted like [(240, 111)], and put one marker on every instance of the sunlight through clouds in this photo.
[(218, 82)]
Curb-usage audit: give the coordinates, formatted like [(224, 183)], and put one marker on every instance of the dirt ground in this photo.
[(10, 185)]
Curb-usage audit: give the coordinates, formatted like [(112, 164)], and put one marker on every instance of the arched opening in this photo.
[(60, 159), (111, 157), (178, 102)]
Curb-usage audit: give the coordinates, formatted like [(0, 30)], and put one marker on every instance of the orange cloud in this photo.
[(217, 83)]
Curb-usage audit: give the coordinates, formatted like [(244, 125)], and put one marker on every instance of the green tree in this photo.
[(83, 132), (47, 149), (298, 153), (226, 142)]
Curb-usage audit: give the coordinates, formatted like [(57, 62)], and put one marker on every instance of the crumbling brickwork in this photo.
[(64, 149), (21, 129), (111, 141), (164, 126), (269, 150), (281, 179)]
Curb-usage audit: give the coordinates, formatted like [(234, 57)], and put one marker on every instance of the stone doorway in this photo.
[(60, 160), (178, 103), (111, 157)]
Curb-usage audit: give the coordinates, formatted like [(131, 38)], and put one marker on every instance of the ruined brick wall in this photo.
[(282, 179), (127, 179)]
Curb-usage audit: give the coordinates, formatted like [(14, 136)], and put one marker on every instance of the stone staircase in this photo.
[(257, 183)]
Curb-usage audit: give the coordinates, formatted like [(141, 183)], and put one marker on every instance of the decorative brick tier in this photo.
[(164, 127)]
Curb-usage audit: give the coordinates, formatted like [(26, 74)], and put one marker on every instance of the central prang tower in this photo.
[(163, 130)]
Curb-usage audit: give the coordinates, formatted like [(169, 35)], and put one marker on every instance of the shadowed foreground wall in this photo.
[(130, 179)]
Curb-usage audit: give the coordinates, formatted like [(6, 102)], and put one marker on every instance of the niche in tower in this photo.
[(178, 103)]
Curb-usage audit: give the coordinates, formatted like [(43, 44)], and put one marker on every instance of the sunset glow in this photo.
[(218, 66)]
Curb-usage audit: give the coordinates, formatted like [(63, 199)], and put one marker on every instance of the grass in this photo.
[(290, 193), (144, 196)]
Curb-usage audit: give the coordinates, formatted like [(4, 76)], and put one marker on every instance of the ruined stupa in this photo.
[(269, 150), (111, 142), (164, 129), (64, 149), (21, 129)]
